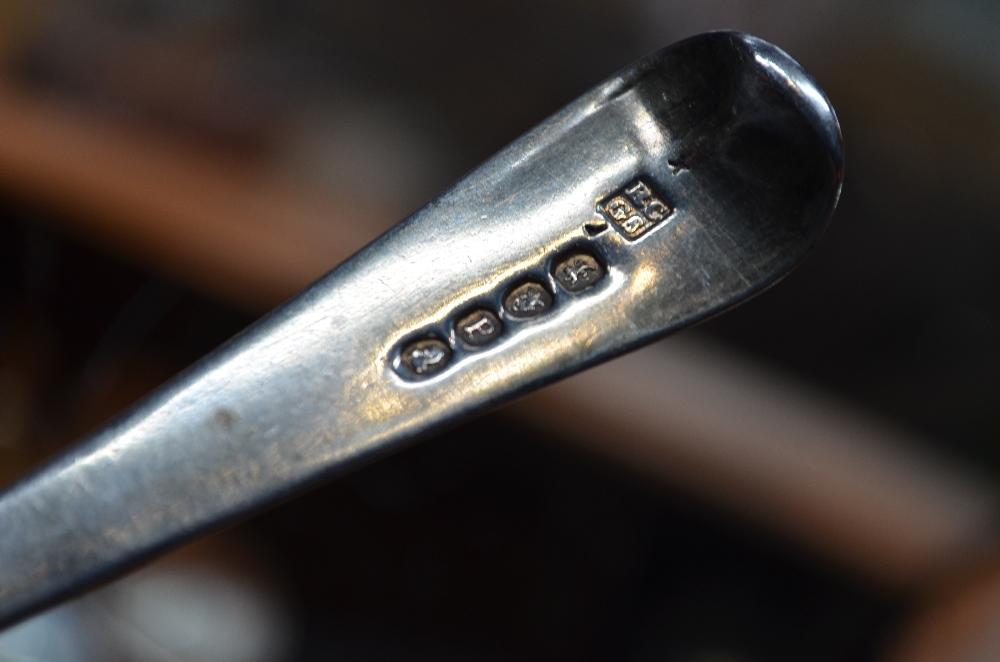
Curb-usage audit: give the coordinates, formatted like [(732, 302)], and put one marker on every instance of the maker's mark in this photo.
[(635, 209)]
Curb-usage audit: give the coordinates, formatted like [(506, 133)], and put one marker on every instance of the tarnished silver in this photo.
[(697, 177)]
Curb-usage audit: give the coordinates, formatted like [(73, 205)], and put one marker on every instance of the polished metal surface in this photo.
[(686, 183)]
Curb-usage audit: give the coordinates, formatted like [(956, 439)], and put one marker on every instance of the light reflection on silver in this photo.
[(311, 389), (815, 96), (649, 131)]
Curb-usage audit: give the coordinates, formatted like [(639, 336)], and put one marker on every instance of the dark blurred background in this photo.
[(819, 474)]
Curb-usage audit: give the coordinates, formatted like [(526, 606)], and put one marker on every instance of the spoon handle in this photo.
[(686, 183)]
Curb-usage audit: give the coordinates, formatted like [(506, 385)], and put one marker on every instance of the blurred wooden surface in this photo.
[(839, 483), (210, 219)]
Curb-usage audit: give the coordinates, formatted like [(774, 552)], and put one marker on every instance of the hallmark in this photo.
[(426, 357), (479, 328), (578, 272), (528, 300), (635, 209)]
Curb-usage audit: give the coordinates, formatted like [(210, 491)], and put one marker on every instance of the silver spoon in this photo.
[(685, 184)]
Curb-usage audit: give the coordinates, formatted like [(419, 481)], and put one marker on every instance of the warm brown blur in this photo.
[(813, 476)]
